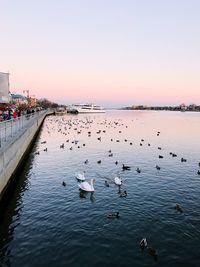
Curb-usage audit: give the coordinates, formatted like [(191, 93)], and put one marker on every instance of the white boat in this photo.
[(88, 108)]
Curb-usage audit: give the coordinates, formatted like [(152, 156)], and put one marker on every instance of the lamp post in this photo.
[(26, 91), (28, 99)]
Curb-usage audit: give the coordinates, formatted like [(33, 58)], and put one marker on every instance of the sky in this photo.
[(110, 52)]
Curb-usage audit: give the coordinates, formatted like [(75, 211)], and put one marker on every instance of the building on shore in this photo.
[(4, 88)]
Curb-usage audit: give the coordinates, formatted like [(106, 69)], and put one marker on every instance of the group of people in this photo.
[(13, 113)]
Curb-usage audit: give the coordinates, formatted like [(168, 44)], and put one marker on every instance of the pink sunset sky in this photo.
[(114, 53)]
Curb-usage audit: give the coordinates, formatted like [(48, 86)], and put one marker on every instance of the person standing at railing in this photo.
[(18, 113), (9, 114), (14, 114)]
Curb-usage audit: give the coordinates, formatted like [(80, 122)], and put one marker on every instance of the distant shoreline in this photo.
[(193, 108)]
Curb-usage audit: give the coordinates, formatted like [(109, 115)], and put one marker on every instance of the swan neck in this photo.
[(92, 184)]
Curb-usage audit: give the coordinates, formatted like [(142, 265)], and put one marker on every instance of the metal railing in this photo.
[(11, 128)]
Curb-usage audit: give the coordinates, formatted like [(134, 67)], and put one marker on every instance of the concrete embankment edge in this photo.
[(12, 158)]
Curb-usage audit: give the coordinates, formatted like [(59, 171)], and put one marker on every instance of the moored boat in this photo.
[(88, 108)]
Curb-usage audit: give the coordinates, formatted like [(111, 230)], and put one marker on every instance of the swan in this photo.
[(118, 180), (80, 176), (88, 187)]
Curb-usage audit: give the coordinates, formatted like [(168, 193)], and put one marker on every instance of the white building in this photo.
[(4, 87)]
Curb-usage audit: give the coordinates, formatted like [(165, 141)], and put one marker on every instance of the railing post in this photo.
[(5, 131), (11, 127)]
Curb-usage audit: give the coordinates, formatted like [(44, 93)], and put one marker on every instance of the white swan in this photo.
[(118, 180), (88, 187), (80, 176)]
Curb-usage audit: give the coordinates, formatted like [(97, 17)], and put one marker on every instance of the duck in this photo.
[(113, 215), (198, 172), (160, 157), (37, 153), (157, 167), (45, 149), (183, 160), (123, 194), (99, 161), (116, 162), (106, 183), (138, 170), (63, 183), (125, 167), (62, 146), (86, 186), (143, 243), (118, 180), (152, 252), (178, 208)]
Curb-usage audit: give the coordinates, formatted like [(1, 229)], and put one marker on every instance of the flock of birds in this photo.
[(68, 126)]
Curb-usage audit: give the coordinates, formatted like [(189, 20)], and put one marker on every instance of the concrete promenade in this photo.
[(16, 136)]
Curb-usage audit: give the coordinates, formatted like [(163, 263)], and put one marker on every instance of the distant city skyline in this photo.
[(111, 52)]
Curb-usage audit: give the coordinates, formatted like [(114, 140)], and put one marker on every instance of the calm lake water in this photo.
[(48, 224)]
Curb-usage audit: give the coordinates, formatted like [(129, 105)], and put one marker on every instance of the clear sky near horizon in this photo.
[(111, 52)]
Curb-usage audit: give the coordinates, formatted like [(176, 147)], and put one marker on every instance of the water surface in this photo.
[(47, 224)]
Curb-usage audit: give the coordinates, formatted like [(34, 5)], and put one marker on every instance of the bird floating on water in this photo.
[(143, 243), (178, 208), (106, 183), (118, 180), (152, 252), (123, 194), (113, 215), (183, 160), (80, 176), (88, 187), (138, 170), (125, 167)]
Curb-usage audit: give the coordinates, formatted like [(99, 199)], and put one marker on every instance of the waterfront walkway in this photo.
[(10, 130)]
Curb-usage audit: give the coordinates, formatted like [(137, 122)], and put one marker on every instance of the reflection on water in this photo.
[(50, 222)]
